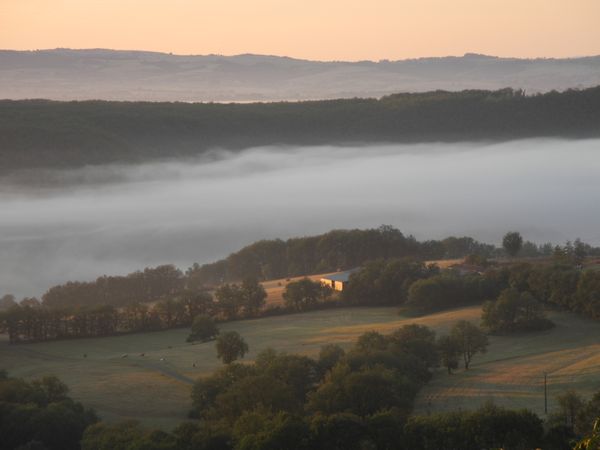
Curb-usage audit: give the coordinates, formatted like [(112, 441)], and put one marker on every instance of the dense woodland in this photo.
[(328, 252), (40, 133), (39, 415)]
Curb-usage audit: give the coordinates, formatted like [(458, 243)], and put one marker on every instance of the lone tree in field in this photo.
[(231, 346), (469, 339), (512, 242), (203, 329), (449, 351)]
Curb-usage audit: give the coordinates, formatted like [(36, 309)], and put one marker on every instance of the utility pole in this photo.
[(545, 393)]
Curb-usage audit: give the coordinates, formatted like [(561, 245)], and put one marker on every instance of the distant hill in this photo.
[(42, 133), (64, 74)]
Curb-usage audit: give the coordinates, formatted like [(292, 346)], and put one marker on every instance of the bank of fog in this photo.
[(113, 220)]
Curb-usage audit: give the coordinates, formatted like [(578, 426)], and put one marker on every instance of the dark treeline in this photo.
[(33, 321), (40, 133), (39, 415), (329, 252), (149, 285), (515, 290)]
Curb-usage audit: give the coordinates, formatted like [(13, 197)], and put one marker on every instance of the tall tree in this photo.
[(449, 350), (253, 296), (228, 300), (512, 243), (470, 340), (231, 346)]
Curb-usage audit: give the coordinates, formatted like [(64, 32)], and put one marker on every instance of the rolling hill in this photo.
[(64, 74)]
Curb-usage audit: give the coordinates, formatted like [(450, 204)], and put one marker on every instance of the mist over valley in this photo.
[(79, 224)]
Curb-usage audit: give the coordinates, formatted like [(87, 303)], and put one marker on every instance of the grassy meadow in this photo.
[(155, 388), (512, 372), (148, 376)]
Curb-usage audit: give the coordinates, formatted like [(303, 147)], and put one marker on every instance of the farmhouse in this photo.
[(338, 281)]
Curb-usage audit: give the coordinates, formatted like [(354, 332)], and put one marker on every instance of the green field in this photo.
[(512, 372), (155, 388)]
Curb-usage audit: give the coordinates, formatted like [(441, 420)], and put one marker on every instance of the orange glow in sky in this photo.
[(312, 29)]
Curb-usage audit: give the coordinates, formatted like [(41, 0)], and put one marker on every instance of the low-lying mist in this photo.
[(116, 219)]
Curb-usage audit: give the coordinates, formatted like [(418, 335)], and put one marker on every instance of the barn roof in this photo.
[(341, 276)]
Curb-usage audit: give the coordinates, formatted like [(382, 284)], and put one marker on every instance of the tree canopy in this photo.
[(41, 133), (231, 346), (512, 242)]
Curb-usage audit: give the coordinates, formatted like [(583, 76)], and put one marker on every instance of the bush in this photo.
[(204, 329)]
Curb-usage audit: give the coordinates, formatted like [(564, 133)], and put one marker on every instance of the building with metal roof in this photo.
[(338, 281)]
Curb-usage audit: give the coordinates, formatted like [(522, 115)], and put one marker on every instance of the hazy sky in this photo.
[(315, 29)]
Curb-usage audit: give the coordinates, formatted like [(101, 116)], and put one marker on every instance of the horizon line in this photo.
[(267, 55)]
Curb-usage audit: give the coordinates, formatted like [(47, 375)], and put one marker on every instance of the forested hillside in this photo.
[(40, 133)]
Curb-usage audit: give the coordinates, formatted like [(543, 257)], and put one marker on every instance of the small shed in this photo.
[(338, 281)]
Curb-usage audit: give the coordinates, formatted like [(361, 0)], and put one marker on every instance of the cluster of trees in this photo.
[(450, 290), (514, 311), (149, 285), (39, 133), (270, 259), (381, 372), (487, 427), (385, 282), (576, 415), (35, 321), (570, 253), (420, 288), (378, 373), (573, 253), (564, 286), (560, 282), (305, 294), (342, 401), (240, 300), (337, 249), (40, 415)]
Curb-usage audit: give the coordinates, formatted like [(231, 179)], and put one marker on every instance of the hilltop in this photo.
[(65, 74)]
